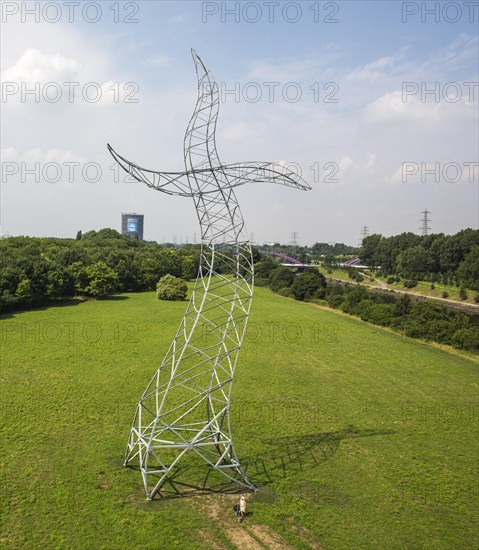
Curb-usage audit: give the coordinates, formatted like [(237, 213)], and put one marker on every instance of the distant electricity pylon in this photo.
[(294, 239), (425, 222), (364, 234)]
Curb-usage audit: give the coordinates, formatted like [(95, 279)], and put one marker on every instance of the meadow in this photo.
[(357, 437)]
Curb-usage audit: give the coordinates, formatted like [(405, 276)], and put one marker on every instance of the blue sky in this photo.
[(371, 139)]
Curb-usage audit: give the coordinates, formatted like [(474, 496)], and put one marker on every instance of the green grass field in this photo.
[(358, 437)]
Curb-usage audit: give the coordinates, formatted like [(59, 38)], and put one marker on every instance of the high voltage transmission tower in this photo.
[(185, 409), (425, 222), (294, 240), (364, 234)]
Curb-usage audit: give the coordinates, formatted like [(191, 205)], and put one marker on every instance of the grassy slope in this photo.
[(366, 439)]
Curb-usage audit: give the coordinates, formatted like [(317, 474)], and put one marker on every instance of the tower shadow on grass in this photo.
[(282, 458), (286, 456)]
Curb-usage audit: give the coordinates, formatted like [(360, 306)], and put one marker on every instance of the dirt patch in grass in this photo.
[(242, 539), (269, 537)]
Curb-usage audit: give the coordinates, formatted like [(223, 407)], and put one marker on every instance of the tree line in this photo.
[(448, 259), (35, 271), (413, 318)]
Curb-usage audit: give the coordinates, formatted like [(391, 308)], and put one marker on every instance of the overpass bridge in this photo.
[(289, 261)]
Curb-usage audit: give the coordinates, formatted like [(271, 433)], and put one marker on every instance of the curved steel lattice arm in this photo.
[(176, 183)]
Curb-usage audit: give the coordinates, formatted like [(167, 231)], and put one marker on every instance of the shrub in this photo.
[(355, 276), (96, 280), (171, 288), (335, 300), (307, 283), (402, 306), (353, 302), (391, 280), (286, 291), (261, 281), (433, 286), (24, 291), (445, 294), (264, 267), (320, 294), (379, 314), (476, 298), (410, 283), (463, 294), (189, 268), (466, 338), (280, 277)]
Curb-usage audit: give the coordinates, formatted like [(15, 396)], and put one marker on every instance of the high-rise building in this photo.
[(132, 225)]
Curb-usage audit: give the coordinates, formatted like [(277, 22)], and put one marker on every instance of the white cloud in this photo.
[(419, 107), (393, 106), (35, 66), (372, 71)]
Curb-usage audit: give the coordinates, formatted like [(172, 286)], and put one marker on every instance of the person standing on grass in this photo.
[(242, 506)]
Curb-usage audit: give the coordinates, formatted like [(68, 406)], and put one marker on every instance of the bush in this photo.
[(445, 294), (171, 288), (402, 306), (463, 294), (280, 277), (264, 267), (320, 294), (355, 276), (335, 300), (379, 314), (334, 295), (287, 292), (476, 298), (410, 283), (306, 284), (433, 286), (466, 338), (353, 302), (261, 281), (96, 280), (391, 280), (24, 291)]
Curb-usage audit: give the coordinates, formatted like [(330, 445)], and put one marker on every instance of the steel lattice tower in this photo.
[(186, 406), (425, 223)]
